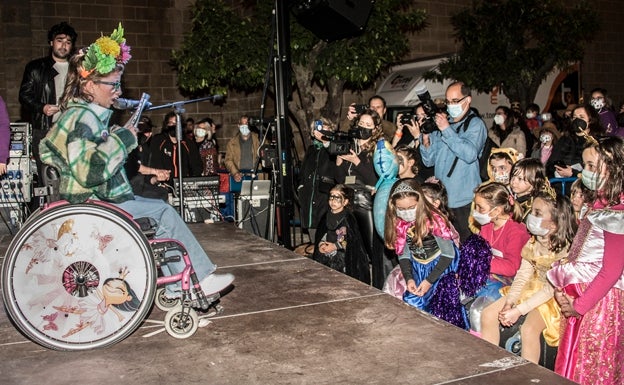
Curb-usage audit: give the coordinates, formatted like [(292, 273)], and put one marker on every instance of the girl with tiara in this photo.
[(552, 225), (590, 282), (422, 238)]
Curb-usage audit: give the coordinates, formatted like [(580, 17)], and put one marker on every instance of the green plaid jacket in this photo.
[(89, 155)]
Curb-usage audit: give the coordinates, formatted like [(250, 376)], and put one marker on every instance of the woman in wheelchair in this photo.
[(90, 155)]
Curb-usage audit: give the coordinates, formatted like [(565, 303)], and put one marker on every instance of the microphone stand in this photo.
[(179, 110)]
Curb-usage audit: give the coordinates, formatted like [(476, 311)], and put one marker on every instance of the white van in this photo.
[(405, 81)]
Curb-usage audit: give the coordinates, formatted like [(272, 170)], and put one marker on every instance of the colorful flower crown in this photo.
[(107, 51)]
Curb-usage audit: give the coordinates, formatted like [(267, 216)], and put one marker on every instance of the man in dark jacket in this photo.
[(43, 84)]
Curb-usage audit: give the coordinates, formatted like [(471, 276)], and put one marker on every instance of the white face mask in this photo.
[(244, 129), (199, 133), (499, 119), (597, 103), (530, 115), (534, 225), (408, 215), (589, 179), (545, 138), (482, 219), (503, 178)]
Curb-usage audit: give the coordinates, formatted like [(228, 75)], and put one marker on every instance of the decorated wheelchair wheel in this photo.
[(78, 277)]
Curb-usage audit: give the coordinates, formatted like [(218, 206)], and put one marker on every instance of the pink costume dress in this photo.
[(591, 348)]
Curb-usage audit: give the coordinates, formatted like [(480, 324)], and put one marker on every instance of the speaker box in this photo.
[(333, 19), (252, 214)]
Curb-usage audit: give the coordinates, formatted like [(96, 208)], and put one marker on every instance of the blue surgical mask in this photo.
[(455, 110), (244, 129), (534, 225), (408, 215), (589, 179)]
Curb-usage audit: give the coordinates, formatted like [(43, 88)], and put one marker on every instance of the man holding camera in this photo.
[(453, 149), (376, 103)]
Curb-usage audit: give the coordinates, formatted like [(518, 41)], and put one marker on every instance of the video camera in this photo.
[(254, 121), (407, 117), (431, 109)]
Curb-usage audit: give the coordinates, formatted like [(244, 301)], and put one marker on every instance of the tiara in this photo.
[(404, 188), (105, 53), (549, 190)]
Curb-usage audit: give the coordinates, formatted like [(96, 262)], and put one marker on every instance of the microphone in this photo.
[(128, 104)]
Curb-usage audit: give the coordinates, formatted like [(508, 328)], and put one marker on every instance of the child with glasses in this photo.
[(338, 241)]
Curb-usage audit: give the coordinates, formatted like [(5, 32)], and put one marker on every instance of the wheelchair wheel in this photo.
[(78, 277), (164, 303), (181, 322)]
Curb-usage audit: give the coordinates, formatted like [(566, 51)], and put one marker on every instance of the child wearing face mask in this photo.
[(552, 226), (501, 226), (436, 195), (547, 140), (528, 178), (428, 257), (589, 284), (338, 241)]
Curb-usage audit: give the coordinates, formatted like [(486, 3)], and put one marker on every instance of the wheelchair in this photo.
[(84, 276)]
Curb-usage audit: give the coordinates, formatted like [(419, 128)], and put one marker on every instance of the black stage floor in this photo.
[(288, 320)]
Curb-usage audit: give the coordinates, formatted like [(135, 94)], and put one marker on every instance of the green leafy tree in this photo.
[(225, 50), (517, 43)]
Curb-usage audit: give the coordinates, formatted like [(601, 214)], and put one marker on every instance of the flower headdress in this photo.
[(107, 51)]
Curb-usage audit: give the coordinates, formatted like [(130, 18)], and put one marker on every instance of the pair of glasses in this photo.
[(455, 101), (336, 198), (116, 85)]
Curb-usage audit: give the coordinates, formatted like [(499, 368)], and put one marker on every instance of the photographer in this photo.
[(453, 149), (377, 104), (317, 176), (356, 170), (408, 135)]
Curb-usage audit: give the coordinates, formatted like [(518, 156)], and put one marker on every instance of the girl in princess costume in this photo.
[(423, 239), (589, 284)]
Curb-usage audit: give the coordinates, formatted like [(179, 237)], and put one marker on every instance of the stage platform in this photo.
[(288, 320)]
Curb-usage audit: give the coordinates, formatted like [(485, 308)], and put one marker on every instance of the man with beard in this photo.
[(43, 84)]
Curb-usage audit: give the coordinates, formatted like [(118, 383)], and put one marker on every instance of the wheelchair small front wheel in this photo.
[(181, 322), (163, 302)]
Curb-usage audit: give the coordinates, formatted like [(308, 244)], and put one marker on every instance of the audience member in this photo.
[(204, 134), (502, 227), (548, 135), (241, 152), (163, 152), (357, 171), (505, 133), (578, 197), (316, 177), (377, 104), (5, 137), (533, 118), (338, 242), (422, 237), (528, 178), (589, 284), (454, 150), (565, 160), (43, 85), (552, 226), (608, 119)]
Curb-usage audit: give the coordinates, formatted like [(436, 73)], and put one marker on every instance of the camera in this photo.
[(431, 109), (360, 108), (253, 121), (340, 143), (406, 118)]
